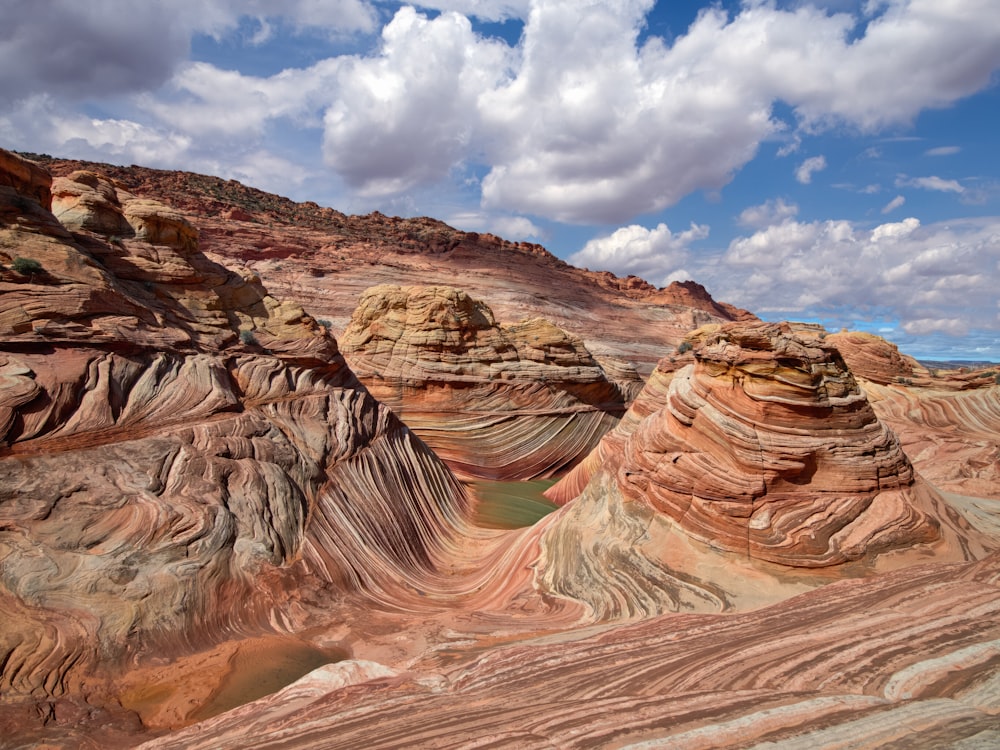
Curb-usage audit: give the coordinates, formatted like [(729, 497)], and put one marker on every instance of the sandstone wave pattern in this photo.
[(763, 456), (907, 659), (325, 260), (219, 527), (184, 458), (518, 401)]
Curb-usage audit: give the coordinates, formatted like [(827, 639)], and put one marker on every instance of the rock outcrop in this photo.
[(949, 432), (764, 450), (947, 419), (24, 178), (325, 260), (184, 458), (153, 288), (873, 358), (197, 491), (499, 402)]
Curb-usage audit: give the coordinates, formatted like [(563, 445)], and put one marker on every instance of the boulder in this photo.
[(85, 201), (26, 178)]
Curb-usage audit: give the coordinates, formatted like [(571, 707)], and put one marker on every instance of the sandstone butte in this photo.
[(518, 401), (788, 540)]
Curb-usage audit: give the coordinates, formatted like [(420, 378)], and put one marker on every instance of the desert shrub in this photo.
[(325, 323), (248, 338), (685, 346), (26, 266)]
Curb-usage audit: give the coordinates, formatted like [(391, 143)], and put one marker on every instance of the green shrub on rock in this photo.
[(26, 266)]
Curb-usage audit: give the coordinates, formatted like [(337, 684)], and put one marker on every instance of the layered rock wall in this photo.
[(762, 452), (184, 458), (498, 402)]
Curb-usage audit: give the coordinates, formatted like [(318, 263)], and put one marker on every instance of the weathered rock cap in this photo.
[(87, 201), (776, 362), (766, 446), (26, 178)]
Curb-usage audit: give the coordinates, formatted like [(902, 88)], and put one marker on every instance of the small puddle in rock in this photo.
[(258, 669), (510, 505)]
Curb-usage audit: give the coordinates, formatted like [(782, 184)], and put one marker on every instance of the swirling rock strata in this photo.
[(904, 659), (166, 482), (325, 260), (949, 433), (500, 402), (153, 288), (764, 450), (946, 419)]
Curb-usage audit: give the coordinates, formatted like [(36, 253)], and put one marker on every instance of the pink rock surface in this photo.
[(908, 658), (194, 483), (521, 401), (325, 260), (165, 485), (764, 450)]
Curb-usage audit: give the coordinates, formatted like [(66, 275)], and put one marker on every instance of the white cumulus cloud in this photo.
[(767, 213), (406, 117), (805, 170), (903, 270), (584, 120), (893, 204), (657, 254)]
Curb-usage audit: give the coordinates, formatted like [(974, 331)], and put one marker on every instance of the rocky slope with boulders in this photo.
[(325, 260)]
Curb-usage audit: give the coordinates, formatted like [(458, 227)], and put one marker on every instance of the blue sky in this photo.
[(833, 160)]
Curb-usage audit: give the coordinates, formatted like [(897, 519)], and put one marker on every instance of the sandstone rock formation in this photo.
[(508, 402), (195, 488), (873, 358), (947, 419), (153, 288), (950, 433), (25, 178), (764, 449), (325, 260), (167, 483), (907, 659)]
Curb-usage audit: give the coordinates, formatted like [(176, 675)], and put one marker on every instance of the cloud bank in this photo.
[(584, 120), (588, 118), (935, 278)]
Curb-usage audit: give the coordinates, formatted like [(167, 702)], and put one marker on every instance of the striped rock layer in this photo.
[(947, 419), (764, 456), (507, 402), (906, 659), (166, 483), (192, 480)]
